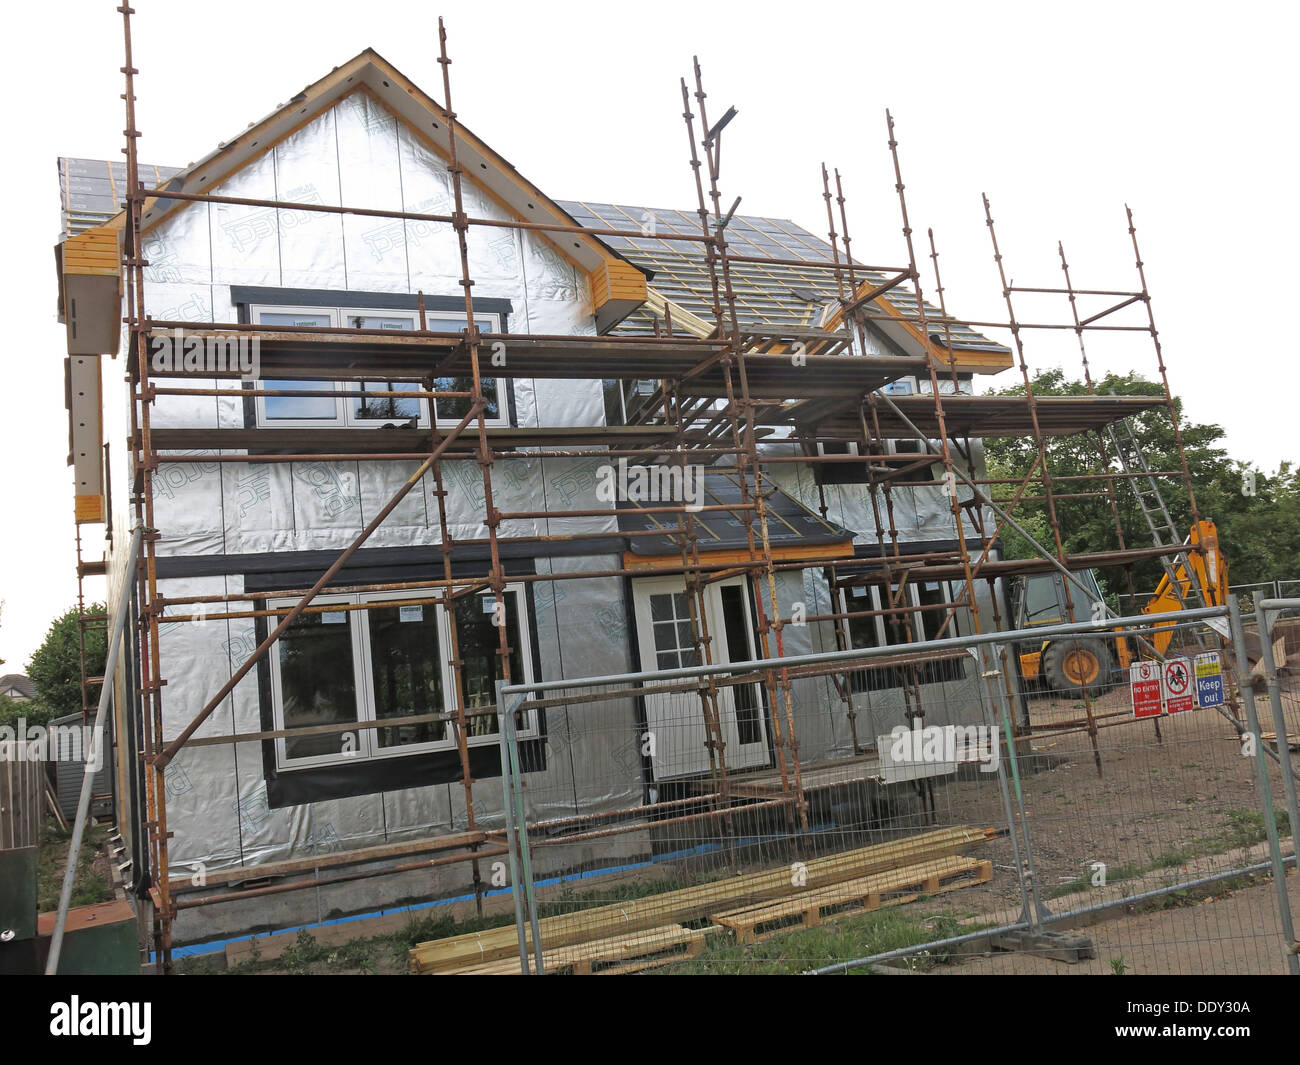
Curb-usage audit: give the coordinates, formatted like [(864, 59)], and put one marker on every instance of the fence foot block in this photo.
[(1060, 946)]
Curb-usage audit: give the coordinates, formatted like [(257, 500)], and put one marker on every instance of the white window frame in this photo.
[(945, 386), (950, 592), (916, 614), (879, 622), (343, 416), (911, 382), (525, 658), (622, 383), (349, 419), (891, 448), (367, 748), (675, 760), (373, 749), (282, 759), (628, 385), (263, 422)]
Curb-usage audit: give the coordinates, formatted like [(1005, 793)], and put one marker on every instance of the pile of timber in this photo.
[(633, 953), (863, 895), (1292, 740), (604, 934)]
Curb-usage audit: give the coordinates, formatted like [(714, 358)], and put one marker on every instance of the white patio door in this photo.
[(676, 720)]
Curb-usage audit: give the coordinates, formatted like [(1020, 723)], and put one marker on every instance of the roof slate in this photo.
[(790, 522), (91, 190), (776, 294)]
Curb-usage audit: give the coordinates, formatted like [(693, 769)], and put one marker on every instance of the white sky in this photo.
[(1062, 113)]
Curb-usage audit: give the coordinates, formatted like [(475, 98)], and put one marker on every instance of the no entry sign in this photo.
[(1177, 679), (1144, 682), (1209, 679)]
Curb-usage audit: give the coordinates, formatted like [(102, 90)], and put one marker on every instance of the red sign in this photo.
[(1179, 692), (1144, 681)]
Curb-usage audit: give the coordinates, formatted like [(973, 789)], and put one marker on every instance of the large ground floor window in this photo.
[(388, 663)]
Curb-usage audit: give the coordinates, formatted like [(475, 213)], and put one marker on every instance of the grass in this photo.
[(809, 948), (789, 952), (89, 887), (307, 956), (353, 956)]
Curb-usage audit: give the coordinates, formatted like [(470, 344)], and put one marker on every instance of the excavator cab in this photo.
[(1071, 665), (1076, 664)]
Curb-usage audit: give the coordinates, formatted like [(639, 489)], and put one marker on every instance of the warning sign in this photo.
[(1209, 679), (1144, 682), (1177, 679)]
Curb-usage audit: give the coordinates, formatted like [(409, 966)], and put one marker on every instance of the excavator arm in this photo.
[(1203, 571)]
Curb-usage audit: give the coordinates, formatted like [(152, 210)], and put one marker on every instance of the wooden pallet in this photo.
[(691, 904), (864, 895), (609, 957)]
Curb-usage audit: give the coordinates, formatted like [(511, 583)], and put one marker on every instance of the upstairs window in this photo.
[(626, 399), (375, 408), (891, 630)]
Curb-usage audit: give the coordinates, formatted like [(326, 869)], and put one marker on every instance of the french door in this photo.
[(676, 720)]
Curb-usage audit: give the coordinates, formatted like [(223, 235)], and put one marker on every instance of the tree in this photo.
[(55, 668), (32, 713), (1259, 533)]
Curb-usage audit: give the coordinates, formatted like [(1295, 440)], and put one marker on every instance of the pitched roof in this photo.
[(428, 119), (17, 682), (618, 286), (777, 295)]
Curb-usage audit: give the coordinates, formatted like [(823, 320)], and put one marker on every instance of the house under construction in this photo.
[(397, 425)]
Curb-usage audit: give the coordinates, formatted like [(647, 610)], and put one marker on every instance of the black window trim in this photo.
[(372, 776)]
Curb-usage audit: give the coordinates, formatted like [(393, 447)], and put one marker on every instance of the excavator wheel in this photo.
[(1073, 666)]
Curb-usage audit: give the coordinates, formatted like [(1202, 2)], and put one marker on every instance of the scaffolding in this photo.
[(723, 391)]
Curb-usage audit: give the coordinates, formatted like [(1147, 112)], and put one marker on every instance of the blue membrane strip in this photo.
[(215, 946)]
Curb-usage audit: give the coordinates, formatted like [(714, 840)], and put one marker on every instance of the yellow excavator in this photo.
[(1076, 664)]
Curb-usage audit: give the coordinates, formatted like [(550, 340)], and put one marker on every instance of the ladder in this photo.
[(1152, 504)]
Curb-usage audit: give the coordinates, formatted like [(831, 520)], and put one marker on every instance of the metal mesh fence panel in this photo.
[(1077, 799)]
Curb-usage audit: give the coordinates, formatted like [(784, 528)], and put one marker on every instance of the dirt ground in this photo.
[(1234, 933), (1164, 810)]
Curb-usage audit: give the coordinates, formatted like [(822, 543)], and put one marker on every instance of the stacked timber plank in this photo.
[(893, 888), (604, 930), (632, 953)]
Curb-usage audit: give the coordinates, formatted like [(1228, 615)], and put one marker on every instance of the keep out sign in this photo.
[(1209, 679)]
